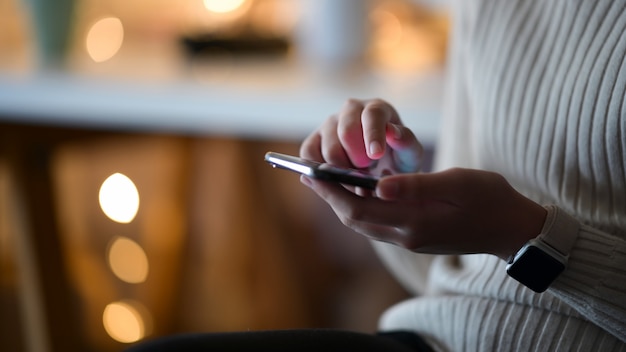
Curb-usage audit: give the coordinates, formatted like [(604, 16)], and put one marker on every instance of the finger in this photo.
[(324, 146), (375, 117), (311, 147), (354, 209), (347, 204), (441, 186), (407, 150), (364, 192), (371, 217), (332, 148), (350, 133), (375, 219)]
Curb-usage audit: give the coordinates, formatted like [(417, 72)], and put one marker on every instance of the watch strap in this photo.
[(560, 230)]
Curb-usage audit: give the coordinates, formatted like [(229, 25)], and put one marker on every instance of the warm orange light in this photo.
[(128, 260), (119, 198), (403, 43), (104, 39), (124, 322), (390, 29), (223, 6)]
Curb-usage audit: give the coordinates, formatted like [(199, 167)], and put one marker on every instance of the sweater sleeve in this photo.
[(594, 282)]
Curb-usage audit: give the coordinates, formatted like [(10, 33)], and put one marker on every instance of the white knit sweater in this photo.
[(536, 92)]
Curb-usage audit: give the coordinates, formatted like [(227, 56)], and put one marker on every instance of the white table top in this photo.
[(268, 105)]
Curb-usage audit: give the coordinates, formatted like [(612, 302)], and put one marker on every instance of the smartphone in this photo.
[(322, 171)]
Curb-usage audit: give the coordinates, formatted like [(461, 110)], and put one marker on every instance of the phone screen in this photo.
[(322, 171)]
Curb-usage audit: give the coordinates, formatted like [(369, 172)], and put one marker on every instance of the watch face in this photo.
[(535, 268)]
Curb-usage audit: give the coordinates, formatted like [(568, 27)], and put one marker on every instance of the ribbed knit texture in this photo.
[(536, 92)]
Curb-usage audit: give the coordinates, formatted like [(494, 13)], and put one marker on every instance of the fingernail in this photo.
[(397, 132), (375, 148), (387, 190), (306, 181)]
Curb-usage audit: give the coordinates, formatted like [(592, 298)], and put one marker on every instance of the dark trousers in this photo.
[(287, 340)]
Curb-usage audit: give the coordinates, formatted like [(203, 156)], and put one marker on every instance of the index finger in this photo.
[(377, 114), (350, 133)]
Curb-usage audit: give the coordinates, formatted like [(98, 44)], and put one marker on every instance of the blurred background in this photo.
[(134, 199)]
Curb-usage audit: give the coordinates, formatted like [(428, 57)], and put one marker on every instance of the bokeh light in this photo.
[(128, 260), (223, 6), (389, 29), (124, 321), (104, 39), (119, 198)]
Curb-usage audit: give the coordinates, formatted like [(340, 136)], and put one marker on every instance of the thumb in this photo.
[(407, 150), (418, 186)]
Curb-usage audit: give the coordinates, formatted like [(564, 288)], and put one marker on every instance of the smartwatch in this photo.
[(543, 259)]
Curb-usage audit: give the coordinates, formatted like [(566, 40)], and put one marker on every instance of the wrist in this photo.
[(542, 259), (530, 224)]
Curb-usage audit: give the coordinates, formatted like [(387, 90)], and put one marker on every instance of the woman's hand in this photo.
[(454, 212), (363, 134)]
